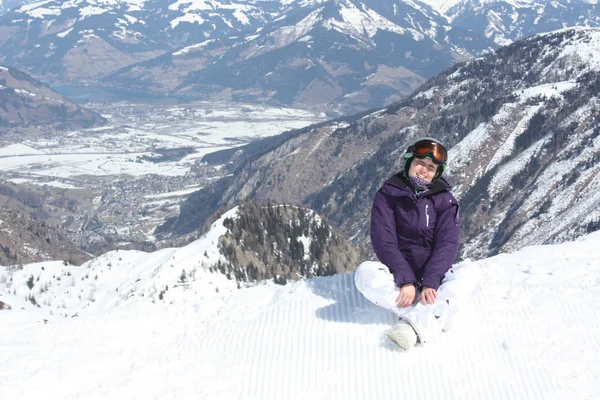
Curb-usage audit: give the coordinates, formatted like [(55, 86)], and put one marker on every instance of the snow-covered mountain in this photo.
[(26, 102), (245, 245), (522, 125), (356, 53), (442, 6), (505, 21), (352, 52), (88, 39), (132, 320)]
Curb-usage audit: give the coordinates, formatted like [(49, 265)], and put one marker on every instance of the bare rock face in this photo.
[(29, 233), (25, 240), (26, 102)]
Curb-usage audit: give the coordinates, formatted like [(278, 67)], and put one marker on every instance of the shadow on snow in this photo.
[(349, 305)]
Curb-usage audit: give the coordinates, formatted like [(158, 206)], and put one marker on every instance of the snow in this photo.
[(91, 10), (240, 16), (190, 18), (555, 174), (130, 19), (191, 5), (28, 7), (176, 193), (135, 5), (316, 338), (115, 149), (428, 94), (25, 92), (466, 149), (288, 34), (188, 6), (442, 5), (546, 90), (588, 50), (360, 23), (507, 147), (501, 180), (514, 118), (192, 48), (69, 165), (57, 184), (43, 12), (65, 33), (18, 150), (86, 8)]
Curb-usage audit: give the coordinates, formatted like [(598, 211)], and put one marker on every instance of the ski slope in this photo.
[(531, 332)]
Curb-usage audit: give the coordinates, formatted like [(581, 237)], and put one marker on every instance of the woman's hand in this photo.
[(428, 295), (406, 296)]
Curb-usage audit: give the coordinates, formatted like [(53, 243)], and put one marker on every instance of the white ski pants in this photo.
[(374, 280)]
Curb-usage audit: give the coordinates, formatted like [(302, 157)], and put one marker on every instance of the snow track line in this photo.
[(274, 347)]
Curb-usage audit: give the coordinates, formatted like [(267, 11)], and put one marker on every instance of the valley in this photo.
[(111, 186)]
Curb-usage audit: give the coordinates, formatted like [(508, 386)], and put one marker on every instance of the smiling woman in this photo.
[(423, 168), (415, 234)]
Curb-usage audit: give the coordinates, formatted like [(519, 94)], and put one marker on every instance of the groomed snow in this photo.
[(531, 332)]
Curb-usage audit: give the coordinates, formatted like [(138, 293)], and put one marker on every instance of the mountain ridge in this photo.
[(482, 107), (346, 55), (343, 51)]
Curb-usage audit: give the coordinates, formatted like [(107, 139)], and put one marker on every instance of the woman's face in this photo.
[(423, 168)]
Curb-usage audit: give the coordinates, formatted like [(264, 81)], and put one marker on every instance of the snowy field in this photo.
[(111, 329), (136, 131)]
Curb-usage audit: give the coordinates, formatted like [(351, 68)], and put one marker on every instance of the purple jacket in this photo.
[(416, 237)]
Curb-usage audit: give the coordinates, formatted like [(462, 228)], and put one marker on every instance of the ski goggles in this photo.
[(429, 148)]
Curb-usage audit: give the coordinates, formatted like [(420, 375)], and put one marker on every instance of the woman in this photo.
[(415, 235)]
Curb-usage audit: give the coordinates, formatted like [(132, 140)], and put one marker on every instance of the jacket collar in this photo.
[(401, 181)]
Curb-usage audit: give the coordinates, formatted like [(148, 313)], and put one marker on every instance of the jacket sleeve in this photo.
[(385, 240), (446, 239)]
